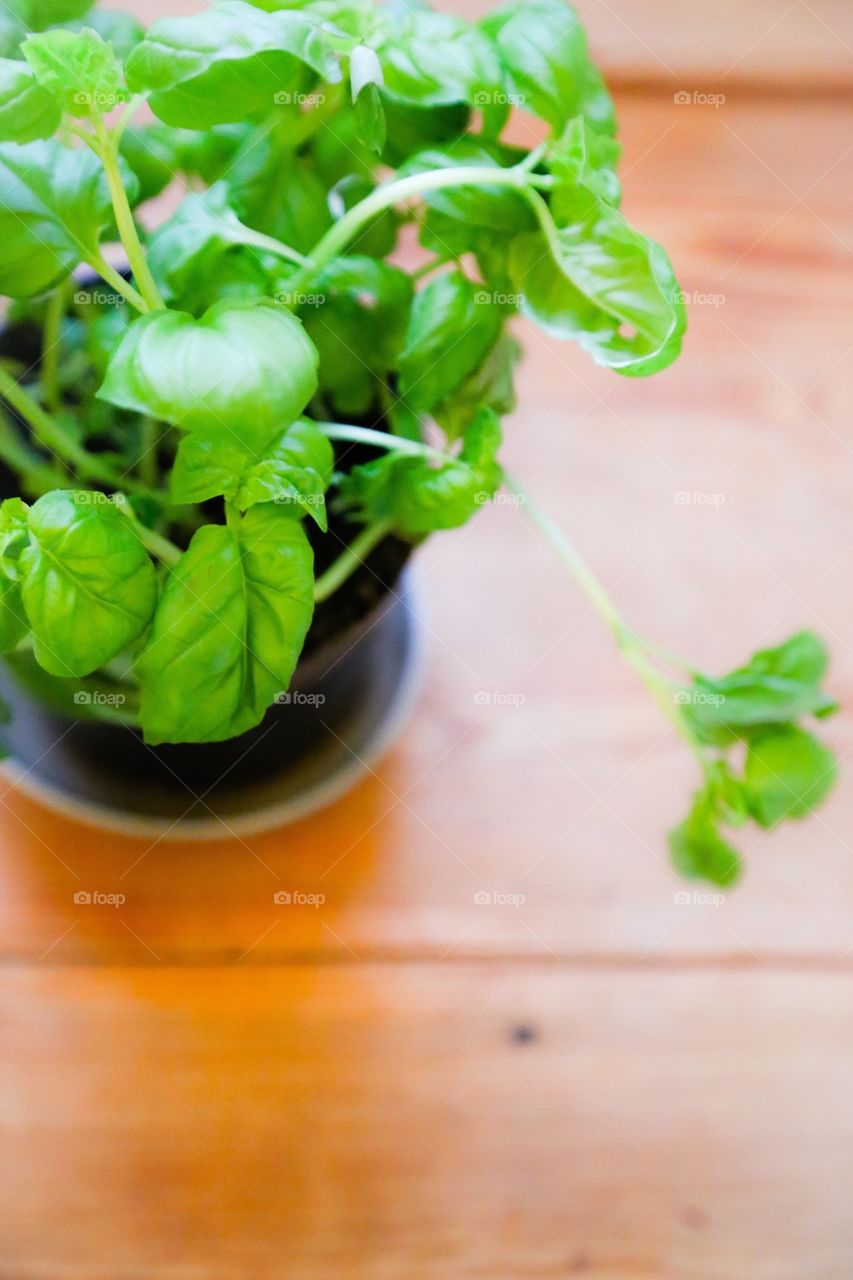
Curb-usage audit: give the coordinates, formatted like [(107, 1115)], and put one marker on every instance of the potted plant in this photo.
[(230, 447)]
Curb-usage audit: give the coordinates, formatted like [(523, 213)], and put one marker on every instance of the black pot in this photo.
[(347, 702)]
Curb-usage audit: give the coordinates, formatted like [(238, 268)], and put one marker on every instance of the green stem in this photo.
[(124, 218), (381, 440), (50, 434), (147, 463), (118, 282), (338, 237), (51, 340), (153, 542), (350, 560), (632, 647)]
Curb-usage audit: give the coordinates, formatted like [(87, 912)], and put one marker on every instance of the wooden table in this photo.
[(599, 1080)]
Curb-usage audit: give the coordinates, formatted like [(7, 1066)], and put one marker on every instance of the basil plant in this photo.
[(260, 384)]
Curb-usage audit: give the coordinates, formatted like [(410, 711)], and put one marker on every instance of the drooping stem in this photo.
[(122, 287), (634, 649), (124, 218), (351, 559)]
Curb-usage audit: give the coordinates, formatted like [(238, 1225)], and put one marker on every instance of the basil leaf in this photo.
[(698, 851), (121, 29), (38, 14), (357, 321), (13, 621), (365, 83), (151, 158), (78, 68), (453, 325), (279, 194), (54, 205), (491, 386), (582, 155), (27, 111), (788, 773), (227, 63), (243, 369), (88, 586), (602, 283), (188, 248), (804, 658), (295, 470), (420, 497), (544, 51), (433, 59), (413, 128), (229, 629)]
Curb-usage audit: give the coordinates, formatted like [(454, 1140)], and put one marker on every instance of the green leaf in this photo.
[(582, 155), (294, 470), (54, 206), (544, 51), (490, 386), (357, 321), (605, 285), (727, 794), (698, 851), (187, 250), (227, 63), (229, 629), (279, 194), (14, 536), (27, 111), (13, 621), (365, 84), (433, 59), (788, 774), (88, 586), (121, 29), (78, 68), (419, 497), (151, 156), (804, 658), (244, 370), (413, 128), (453, 325), (38, 14)]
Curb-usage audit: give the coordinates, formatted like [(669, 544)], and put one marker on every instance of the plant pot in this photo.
[(347, 703)]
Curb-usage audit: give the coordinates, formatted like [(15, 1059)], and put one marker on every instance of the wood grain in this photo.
[(490, 1123)]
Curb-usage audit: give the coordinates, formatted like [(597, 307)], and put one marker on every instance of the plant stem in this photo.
[(124, 218), (50, 434), (118, 282), (382, 440), (159, 546), (147, 463), (633, 648), (351, 559), (338, 237), (51, 339)]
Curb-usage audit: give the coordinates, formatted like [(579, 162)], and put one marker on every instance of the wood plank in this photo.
[(565, 797), (690, 46), (313, 1124)]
